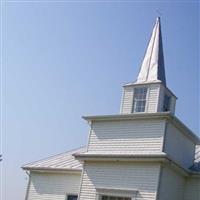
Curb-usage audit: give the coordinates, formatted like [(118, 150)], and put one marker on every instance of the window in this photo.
[(166, 104), (139, 99), (72, 197), (114, 198), (110, 193)]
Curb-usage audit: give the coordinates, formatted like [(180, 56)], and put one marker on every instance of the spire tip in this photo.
[(158, 19)]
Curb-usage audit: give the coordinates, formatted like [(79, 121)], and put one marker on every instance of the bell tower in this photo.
[(149, 93)]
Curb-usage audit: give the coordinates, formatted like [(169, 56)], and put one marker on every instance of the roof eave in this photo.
[(120, 157), (51, 170), (188, 132), (127, 116), (151, 158), (149, 83)]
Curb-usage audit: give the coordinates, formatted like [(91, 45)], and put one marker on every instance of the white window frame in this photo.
[(116, 192), (147, 96), (101, 195)]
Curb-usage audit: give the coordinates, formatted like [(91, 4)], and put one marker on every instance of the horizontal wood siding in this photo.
[(171, 185), (173, 104), (162, 93), (143, 177), (192, 189), (179, 147), (127, 137), (127, 100), (152, 98), (161, 98), (49, 186)]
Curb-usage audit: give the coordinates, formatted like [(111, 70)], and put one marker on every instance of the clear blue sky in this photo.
[(65, 60)]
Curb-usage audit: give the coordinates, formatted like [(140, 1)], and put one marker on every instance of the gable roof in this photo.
[(63, 161)]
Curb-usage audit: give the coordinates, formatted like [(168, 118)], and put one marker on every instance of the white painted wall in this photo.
[(161, 98), (127, 137), (163, 91), (127, 100), (154, 101), (192, 189), (171, 185), (179, 147), (52, 186), (152, 98), (143, 177)]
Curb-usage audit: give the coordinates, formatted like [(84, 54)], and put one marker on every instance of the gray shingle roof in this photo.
[(63, 161)]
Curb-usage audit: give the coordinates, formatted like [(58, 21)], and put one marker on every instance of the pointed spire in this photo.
[(152, 68)]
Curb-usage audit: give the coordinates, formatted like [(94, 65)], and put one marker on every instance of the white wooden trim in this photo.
[(116, 192), (132, 100), (98, 197), (147, 100), (122, 102), (28, 187)]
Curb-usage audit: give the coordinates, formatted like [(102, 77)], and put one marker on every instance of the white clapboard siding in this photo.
[(127, 100), (161, 98), (173, 104), (52, 186), (163, 91), (171, 185), (192, 189), (127, 137), (179, 147), (152, 98), (141, 177)]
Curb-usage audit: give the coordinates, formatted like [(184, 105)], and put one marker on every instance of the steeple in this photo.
[(152, 68), (149, 94)]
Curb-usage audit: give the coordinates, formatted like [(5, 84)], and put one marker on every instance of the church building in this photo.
[(143, 153)]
